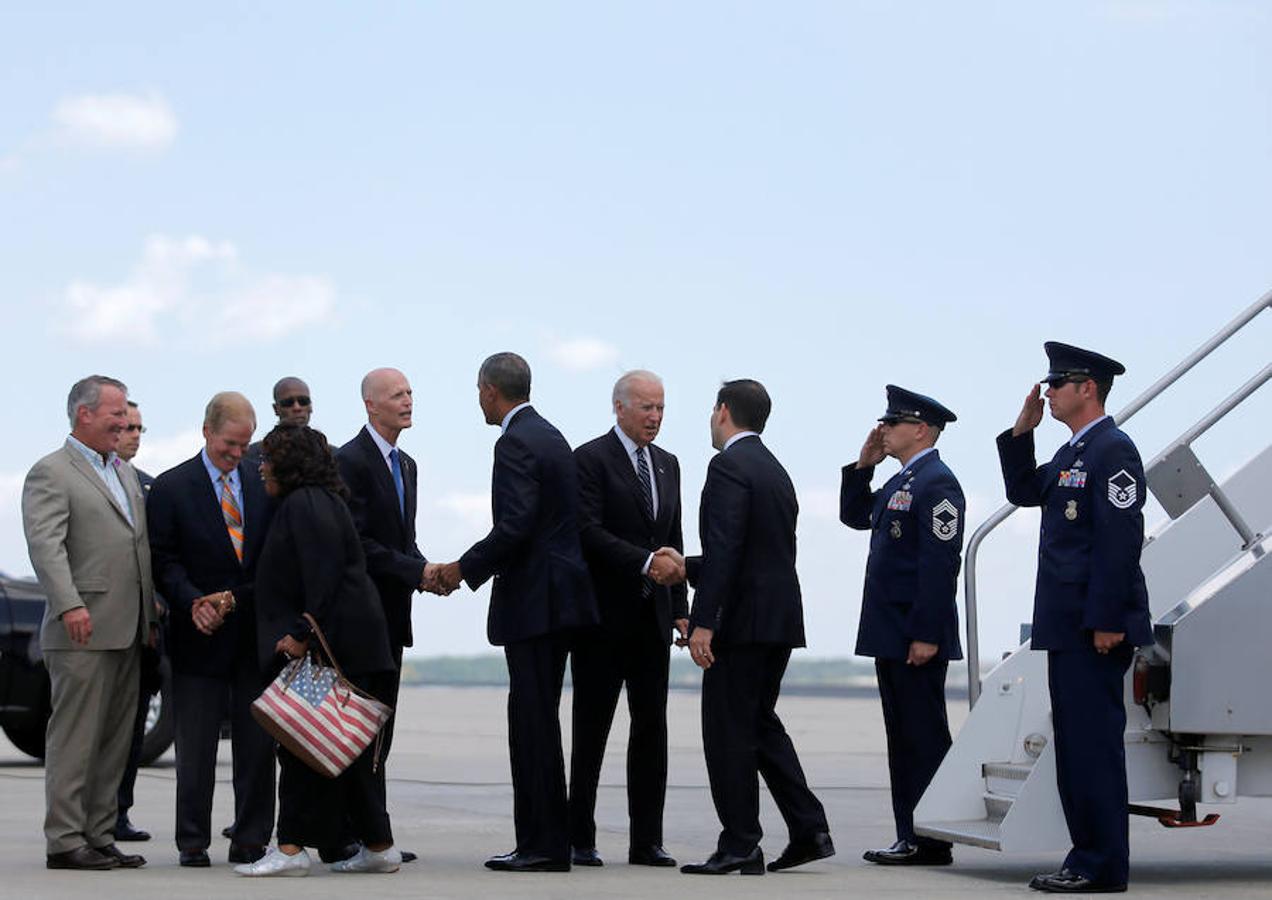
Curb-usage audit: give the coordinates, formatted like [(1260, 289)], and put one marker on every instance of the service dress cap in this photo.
[(903, 404), (1065, 360)]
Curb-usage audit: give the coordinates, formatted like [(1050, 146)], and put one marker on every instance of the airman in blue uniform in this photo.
[(1090, 603), (909, 622)]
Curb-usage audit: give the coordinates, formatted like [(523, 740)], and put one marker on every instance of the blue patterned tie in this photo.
[(396, 465), (642, 469)]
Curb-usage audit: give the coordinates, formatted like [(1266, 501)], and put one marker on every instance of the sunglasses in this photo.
[(140, 429), (293, 401), (1065, 379), (901, 420)]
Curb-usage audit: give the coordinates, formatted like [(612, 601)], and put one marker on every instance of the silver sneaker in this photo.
[(276, 862), (365, 860)]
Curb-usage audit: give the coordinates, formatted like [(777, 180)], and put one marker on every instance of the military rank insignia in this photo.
[(900, 500), (1123, 490), (945, 520), (1073, 478)]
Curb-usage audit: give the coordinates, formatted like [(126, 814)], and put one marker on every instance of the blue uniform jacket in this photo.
[(1092, 497), (916, 521)]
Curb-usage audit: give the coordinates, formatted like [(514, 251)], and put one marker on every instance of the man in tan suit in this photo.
[(85, 522)]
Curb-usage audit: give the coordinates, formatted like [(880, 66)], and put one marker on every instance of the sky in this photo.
[(828, 197)]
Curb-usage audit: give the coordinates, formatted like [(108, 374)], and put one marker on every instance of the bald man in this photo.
[(208, 518), (293, 404)]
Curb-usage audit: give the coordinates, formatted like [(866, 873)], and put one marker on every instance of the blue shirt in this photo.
[(108, 470), (236, 485)]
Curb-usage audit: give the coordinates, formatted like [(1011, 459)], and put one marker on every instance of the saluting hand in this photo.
[(872, 450), (1030, 414)]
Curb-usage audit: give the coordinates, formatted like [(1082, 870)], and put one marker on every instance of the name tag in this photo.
[(900, 501), (1073, 478)]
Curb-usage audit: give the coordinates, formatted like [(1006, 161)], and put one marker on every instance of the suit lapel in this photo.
[(410, 476), (208, 502), (85, 468), (380, 473), (628, 473), (662, 482)]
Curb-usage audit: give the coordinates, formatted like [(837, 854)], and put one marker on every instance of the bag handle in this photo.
[(326, 648)]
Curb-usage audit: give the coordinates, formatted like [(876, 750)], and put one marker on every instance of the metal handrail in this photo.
[(1001, 515)]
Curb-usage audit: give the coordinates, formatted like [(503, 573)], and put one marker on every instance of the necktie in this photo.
[(233, 516), (396, 465), (647, 484)]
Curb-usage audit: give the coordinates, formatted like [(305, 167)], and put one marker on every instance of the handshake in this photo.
[(667, 567), (441, 578)]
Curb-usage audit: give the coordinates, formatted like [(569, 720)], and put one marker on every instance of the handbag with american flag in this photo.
[(318, 715)]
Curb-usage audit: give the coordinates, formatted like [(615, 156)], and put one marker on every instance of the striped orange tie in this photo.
[(233, 516)]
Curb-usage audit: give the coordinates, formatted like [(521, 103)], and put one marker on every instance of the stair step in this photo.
[(976, 832), (997, 806), (1005, 779)]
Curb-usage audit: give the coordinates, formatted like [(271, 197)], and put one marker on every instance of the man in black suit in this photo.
[(629, 507), (542, 592), (747, 615), (208, 518)]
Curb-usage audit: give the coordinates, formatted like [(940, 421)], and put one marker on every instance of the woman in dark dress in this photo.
[(312, 562)]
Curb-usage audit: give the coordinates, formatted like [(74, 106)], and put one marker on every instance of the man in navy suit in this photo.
[(208, 518), (541, 594), (1090, 603), (747, 615), (630, 507), (909, 623)]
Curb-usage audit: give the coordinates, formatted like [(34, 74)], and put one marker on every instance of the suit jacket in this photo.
[(618, 536), (1092, 496), (394, 561), (916, 521), (533, 551), (193, 556), (312, 562), (745, 585), (85, 553)]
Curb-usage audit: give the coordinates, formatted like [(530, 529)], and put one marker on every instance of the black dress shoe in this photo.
[(653, 855), (244, 853), (195, 859), (81, 858), (124, 831), (527, 862), (408, 856), (585, 856), (721, 863), (331, 855), (227, 831), (1067, 881), (904, 853), (125, 860), (819, 846)]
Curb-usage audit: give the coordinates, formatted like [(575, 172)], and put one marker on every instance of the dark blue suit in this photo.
[(1092, 496), (542, 591), (747, 592), (192, 556), (917, 522)]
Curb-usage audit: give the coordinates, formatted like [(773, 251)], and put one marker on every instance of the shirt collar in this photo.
[(628, 444), (380, 442), (214, 473), (916, 457), (503, 426), (1078, 436), (737, 437), (90, 454)]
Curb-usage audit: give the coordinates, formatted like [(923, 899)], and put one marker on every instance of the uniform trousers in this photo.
[(918, 731), (94, 696), (536, 669), (742, 736), (600, 665), (317, 811), (1088, 713)]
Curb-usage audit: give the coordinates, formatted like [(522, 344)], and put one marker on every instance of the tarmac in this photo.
[(451, 802)]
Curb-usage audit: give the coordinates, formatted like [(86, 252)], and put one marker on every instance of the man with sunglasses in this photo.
[(909, 622), (1090, 603), (293, 404)]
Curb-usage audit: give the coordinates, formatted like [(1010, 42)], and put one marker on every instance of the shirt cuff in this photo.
[(644, 570)]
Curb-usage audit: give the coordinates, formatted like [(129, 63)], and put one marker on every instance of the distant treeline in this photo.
[(802, 676)]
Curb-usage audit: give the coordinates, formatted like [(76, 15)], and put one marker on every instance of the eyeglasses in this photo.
[(140, 429), (1066, 379), (293, 401)]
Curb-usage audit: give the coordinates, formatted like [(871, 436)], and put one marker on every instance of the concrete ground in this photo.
[(452, 803)]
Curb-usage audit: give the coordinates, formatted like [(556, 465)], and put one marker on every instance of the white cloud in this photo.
[(116, 121), (473, 510), (196, 281), (582, 354)]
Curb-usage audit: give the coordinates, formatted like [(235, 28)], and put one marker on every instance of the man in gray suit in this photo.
[(84, 516)]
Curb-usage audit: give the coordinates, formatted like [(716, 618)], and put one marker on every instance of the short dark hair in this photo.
[(1102, 388), (299, 456), (749, 404), (507, 373)]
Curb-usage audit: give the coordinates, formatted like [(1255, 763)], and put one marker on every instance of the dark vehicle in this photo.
[(24, 682)]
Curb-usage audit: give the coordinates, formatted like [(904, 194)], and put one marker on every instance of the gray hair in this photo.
[(623, 387), (228, 405), (87, 392), (507, 373)]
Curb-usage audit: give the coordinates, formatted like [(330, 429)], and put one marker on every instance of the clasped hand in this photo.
[(206, 613), (667, 567), (441, 578)]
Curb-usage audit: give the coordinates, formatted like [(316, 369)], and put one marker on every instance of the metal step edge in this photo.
[(997, 806), (975, 832), (1007, 771)]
